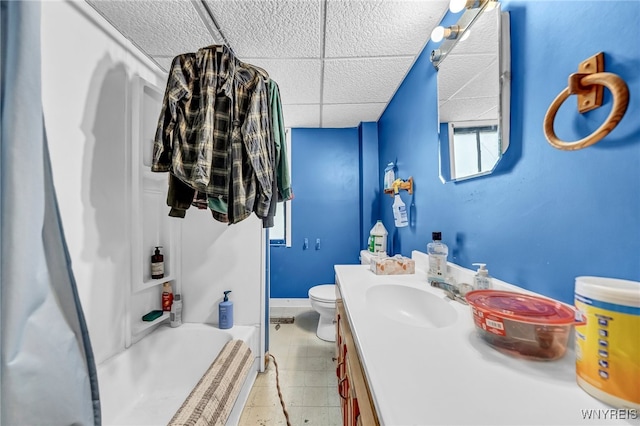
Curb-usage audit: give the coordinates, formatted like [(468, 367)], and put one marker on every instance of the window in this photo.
[(280, 234), (475, 149)]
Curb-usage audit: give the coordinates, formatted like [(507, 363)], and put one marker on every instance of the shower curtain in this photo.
[(47, 369)]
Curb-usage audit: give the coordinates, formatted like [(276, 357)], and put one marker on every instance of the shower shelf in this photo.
[(149, 223), (153, 282), (143, 325)]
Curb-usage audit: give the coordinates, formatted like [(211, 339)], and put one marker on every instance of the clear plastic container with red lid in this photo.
[(522, 325)]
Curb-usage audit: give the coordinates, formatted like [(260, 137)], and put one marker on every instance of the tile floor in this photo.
[(307, 376)]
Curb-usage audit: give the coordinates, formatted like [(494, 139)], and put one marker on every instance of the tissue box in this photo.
[(396, 265)]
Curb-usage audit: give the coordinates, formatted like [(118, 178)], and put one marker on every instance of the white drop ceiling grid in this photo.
[(337, 62)]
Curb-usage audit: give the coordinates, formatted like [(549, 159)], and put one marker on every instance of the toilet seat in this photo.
[(323, 293)]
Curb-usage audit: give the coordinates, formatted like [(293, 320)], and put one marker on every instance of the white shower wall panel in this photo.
[(217, 257), (87, 70)]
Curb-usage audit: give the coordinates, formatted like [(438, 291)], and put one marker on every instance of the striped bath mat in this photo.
[(212, 400)]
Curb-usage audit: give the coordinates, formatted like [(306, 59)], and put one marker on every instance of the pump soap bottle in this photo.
[(482, 280), (225, 312), (157, 264)]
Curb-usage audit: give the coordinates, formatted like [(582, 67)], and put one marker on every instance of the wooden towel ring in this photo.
[(577, 82)]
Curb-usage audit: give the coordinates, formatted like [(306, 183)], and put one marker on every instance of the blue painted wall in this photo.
[(370, 183), (325, 174), (545, 216)]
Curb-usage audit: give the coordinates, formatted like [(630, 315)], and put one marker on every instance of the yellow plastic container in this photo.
[(608, 345)]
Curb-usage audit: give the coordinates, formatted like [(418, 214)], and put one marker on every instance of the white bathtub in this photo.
[(147, 383)]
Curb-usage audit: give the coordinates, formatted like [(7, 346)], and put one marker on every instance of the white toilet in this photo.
[(323, 300)]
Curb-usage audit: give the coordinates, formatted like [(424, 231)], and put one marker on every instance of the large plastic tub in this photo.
[(522, 325)]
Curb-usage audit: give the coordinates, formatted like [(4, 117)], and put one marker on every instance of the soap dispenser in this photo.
[(482, 280), (225, 312), (157, 264)]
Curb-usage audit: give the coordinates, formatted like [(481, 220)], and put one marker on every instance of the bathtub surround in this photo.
[(213, 398), (147, 386), (44, 333), (89, 112)]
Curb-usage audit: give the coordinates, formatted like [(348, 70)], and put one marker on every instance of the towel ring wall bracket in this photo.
[(589, 97), (588, 84)]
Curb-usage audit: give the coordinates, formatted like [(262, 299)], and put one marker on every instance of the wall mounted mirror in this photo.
[(473, 93)]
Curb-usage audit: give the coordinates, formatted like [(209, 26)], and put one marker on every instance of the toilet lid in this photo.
[(323, 293)]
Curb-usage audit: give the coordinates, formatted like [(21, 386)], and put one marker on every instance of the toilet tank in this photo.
[(366, 256)]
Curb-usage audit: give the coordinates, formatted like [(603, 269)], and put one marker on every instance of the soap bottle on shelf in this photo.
[(482, 280), (175, 317), (389, 176), (167, 297), (157, 264), (225, 312), (438, 252), (378, 238)]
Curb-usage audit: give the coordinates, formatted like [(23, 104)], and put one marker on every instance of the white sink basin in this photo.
[(411, 306)]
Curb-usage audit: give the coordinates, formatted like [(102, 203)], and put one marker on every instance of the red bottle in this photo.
[(167, 297)]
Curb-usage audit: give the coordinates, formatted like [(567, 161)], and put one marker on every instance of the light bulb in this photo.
[(465, 35), (437, 34), (456, 6)]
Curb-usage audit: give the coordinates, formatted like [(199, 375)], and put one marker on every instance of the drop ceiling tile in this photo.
[(350, 115), (268, 28), (468, 109), (380, 27), (468, 76), (301, 115), (363, 80), (298, 79), (167, 27)]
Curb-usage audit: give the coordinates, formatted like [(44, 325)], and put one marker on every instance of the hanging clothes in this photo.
[(215, 136), (280, 143)]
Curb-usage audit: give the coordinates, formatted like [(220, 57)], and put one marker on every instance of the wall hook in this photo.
[(589, 85)]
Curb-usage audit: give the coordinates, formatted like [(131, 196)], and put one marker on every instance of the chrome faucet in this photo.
[(453, 291)]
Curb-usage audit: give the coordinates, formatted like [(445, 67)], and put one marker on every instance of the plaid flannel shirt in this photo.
[(213, 132)]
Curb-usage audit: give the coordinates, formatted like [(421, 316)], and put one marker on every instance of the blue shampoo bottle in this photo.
[(225, 312)]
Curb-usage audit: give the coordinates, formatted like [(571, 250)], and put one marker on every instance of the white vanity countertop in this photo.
[(440, 376)]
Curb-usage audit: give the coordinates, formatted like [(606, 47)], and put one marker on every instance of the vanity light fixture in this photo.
[(451, 35), (436, 55), (440, 33), (456, 6)]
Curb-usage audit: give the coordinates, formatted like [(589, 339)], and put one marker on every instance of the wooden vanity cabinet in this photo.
[(355, 398)]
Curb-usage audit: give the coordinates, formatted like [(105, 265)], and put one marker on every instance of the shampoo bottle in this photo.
[(438, 252), (175, 317), (482, 280), (157, 264), (225, 312), (167, 297)]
